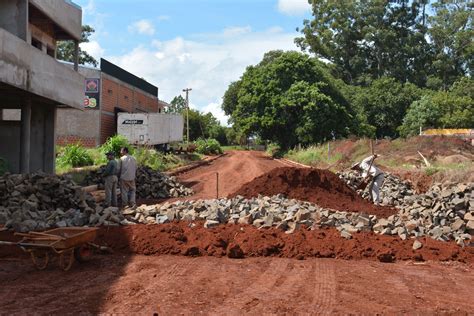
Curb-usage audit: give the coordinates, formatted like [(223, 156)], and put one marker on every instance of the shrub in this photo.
[(114, 144), (208, 146), (75, 156)]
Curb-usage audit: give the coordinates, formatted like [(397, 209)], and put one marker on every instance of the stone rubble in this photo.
[(445, 212), (40, 201), (152, 184)]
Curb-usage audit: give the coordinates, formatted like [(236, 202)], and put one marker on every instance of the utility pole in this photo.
[(187, 113)]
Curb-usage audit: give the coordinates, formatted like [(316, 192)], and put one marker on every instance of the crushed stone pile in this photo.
[(39, 201), (321, 187), (152, 184), (443, 213), (290, 214)]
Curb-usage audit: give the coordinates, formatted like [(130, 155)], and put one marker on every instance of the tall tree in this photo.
[(177, 105), (65, 49), (370, 39), (290, 98), (452, 34)]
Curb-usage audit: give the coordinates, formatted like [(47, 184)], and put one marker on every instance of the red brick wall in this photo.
[(125, 97), (86, 142)]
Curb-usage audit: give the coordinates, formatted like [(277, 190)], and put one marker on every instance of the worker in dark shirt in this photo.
[(110, 180)]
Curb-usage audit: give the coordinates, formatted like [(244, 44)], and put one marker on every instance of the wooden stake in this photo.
[(217, 185)]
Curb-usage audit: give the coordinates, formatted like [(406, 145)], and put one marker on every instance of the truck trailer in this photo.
[(155, 129)]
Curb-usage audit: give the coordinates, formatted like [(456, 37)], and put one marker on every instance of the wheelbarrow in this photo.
[(68, 243)]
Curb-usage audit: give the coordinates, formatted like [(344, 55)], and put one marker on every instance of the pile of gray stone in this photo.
[(394, 190), (263, 211), (40, 201), (443, 213), (151, 184)]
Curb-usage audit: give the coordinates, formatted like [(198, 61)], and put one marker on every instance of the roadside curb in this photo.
[(192, 166), (292, 163)]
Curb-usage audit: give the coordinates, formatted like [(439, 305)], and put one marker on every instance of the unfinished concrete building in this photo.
[(33, 84)]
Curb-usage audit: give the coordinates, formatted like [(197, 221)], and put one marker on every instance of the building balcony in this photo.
[(26, 71)]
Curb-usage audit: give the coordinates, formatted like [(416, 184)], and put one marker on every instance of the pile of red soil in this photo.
[(239, 241), (321, 187)]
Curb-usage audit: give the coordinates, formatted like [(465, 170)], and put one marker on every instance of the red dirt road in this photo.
[(172, 285), (235, 169)]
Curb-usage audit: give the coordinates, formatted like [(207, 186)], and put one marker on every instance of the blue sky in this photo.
[(202, 44)]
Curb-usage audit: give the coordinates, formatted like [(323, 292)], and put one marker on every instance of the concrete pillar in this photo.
[(25, 138), (49, 156), (76, 55)]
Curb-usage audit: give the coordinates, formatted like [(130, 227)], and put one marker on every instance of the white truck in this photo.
[(155, 129)]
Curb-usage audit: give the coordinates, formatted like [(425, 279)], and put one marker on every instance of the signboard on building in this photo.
[(92, 93)]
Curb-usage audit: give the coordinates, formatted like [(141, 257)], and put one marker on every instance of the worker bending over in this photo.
[(128, 170), (371, 175)]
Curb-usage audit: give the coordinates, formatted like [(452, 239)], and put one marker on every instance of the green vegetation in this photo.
[(65, 49), (427, 43), (208, 146), (289, 98), (161, 162), (114, 144), (314, 155), (74, 156)]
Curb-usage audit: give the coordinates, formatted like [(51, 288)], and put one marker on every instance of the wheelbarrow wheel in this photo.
[(40, 259), (66, 259), (83, 253)]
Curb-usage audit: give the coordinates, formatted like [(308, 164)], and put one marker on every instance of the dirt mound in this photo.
[(179, 238), (321, 187)]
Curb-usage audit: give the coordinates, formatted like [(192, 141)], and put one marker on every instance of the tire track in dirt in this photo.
[(324, 296), (284, 282)]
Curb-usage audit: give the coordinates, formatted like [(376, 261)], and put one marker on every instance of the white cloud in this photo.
[(93, 48), (205, 64), (294, 7), (142, 27)]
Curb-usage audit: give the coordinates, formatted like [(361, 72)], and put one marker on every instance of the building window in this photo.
[(10, 115), (50, 51), (36, 43), (159, 110)]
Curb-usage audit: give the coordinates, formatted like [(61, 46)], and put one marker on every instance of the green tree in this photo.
[(177, 105), (385, 104), (231, 97), (452, 34), (290, 98), (442, 109), (65, 49), (421, 114), (366, 40)]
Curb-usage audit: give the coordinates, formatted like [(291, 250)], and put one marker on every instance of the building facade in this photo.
[(107, 92), (33, 84)]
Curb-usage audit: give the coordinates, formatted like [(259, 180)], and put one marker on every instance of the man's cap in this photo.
[(110, 153)]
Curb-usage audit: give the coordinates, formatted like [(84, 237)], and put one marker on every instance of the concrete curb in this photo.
[(192, 166), (292, 163)]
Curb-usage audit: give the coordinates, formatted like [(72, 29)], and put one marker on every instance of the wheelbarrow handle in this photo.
[(8, 243)]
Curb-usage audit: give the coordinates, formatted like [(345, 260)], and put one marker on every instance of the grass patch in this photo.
[(314, 155), (234, 147)]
